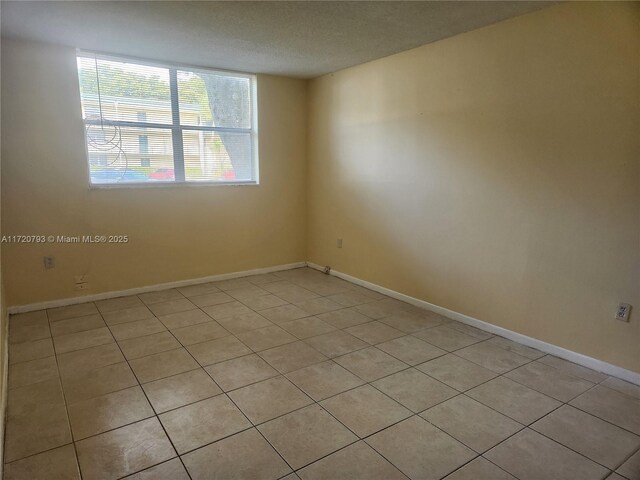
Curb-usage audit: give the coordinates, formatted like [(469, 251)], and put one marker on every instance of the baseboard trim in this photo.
[(575, 357), (150, 288)]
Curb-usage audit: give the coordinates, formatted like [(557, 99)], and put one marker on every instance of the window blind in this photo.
[(150, 123)]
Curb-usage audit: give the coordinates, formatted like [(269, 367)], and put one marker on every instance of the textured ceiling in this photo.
[(299, 39)]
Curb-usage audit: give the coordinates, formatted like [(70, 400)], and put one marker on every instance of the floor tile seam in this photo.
[(399, 359), (593, 414), (343, 448), (156, 465), (487, 460), (536, 389), (561, 403), (32, 360), (261, 434), (398, 467), (599, 417), (372, 384), (637, 450), (156, 416), (569, 447), (486, 368), (436, 379), (66, 407)]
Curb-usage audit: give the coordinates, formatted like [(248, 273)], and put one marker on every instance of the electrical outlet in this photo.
[(82, 286), (339, 243), (81, 278), (49, 262), (622, 313)]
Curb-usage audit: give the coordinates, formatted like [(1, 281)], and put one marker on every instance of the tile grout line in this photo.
[(374, 345), (152, 409), (525, 426), (637, 451), (64, 399), (411, 366), (323, 361), (285, 374), (500, 374), (392, 399), (180, 455), (529, 426), (115, 341), (255, 427), (367, 383), (314, 402), (229, 398), (62, 389)]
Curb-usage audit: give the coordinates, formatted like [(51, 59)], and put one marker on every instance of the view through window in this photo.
[(153, 123)]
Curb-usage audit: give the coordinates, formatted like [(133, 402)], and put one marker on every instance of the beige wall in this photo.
[(175, 232), (495, 173)]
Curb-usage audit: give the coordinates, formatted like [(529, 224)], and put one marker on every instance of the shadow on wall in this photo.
[(494, 174)]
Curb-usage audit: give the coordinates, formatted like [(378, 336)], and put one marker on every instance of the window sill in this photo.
[(111, 186)]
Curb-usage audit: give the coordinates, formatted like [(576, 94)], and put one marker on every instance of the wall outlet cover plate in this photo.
[(623, 312)]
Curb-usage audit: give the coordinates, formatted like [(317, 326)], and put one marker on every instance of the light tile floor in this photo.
[(300, 375)]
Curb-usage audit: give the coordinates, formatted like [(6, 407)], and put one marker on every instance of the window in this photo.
[(152, 123)]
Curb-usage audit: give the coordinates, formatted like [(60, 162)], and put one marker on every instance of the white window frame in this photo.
[(176, 128)]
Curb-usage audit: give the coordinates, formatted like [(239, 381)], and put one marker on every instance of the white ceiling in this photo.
[(299, 39)]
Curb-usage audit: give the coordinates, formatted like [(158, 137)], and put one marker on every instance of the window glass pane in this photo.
[(128, 92), (209, 99), (129, 154), (122, 100), (217, 156)]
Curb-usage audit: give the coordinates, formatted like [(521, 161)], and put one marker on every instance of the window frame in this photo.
[(175, 127)]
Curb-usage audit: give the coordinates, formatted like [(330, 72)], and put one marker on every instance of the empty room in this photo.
[(320, 240)]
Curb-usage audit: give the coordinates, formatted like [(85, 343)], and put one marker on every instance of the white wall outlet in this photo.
[(81, 278), (622, 313), (339, 243), (49, 262), (82, 286)]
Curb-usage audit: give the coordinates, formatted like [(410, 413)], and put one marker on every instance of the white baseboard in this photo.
[(570, 355), (150, 288)]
